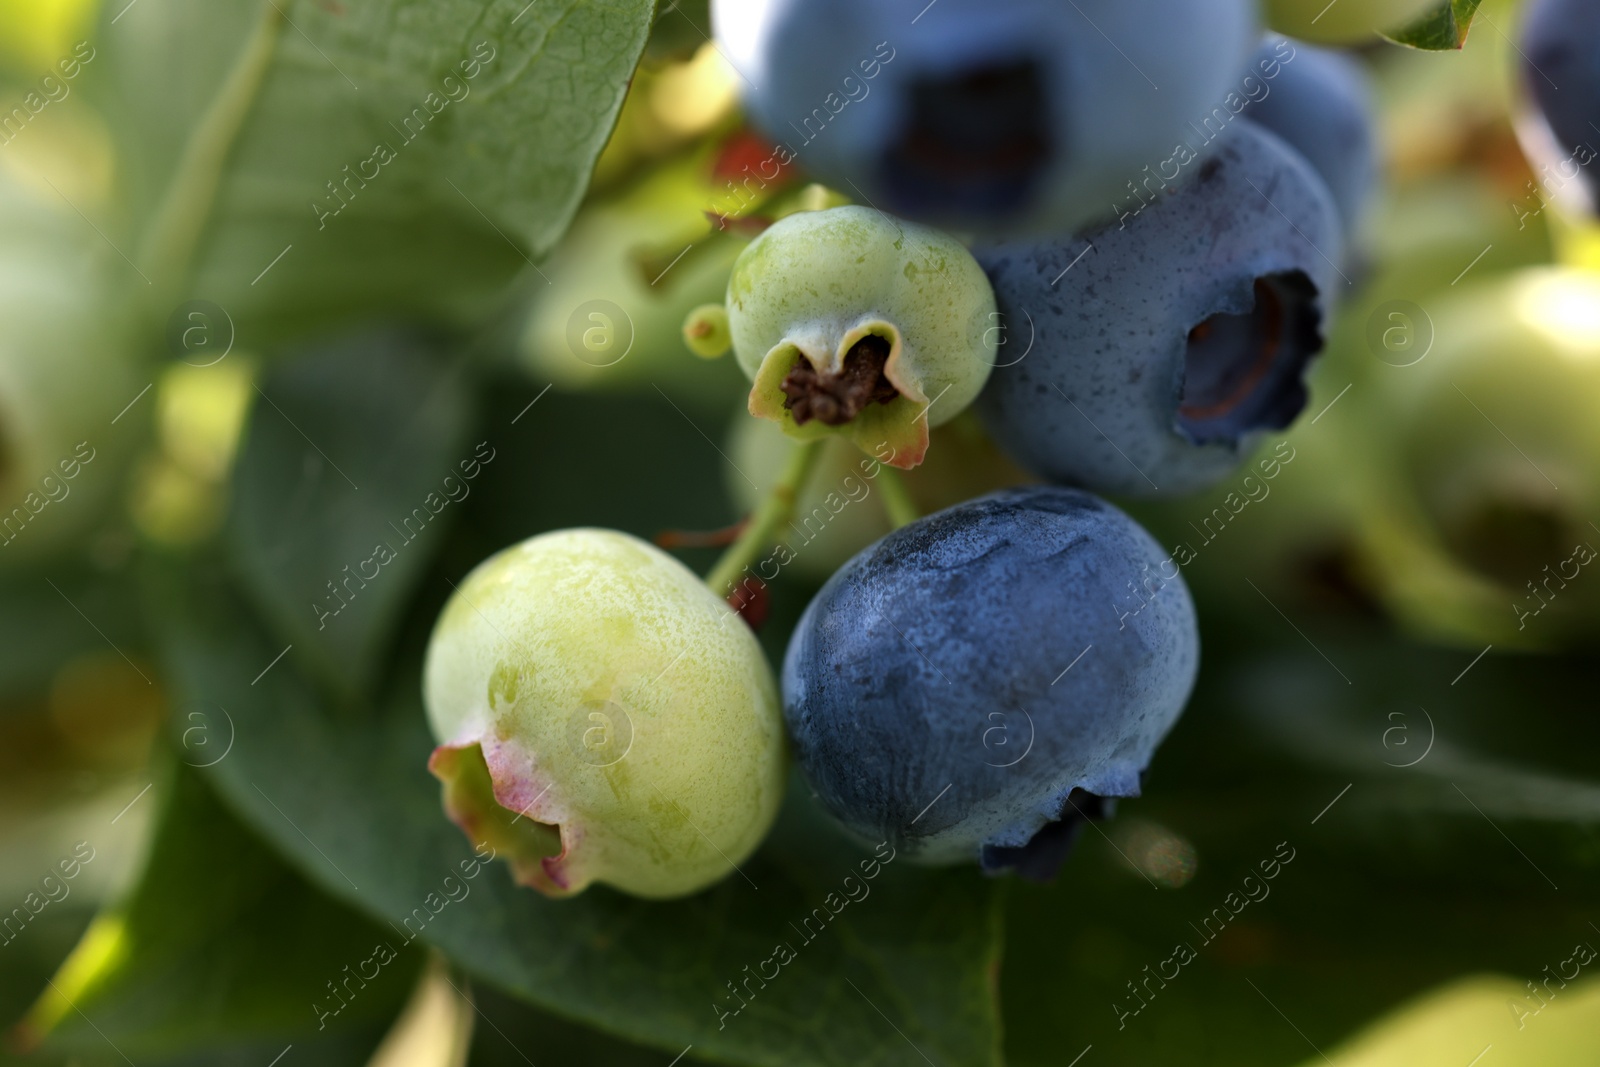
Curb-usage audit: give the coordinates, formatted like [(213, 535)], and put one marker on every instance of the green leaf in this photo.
[(49, 618), (354, 462), (641, 464), (222, 954), (681, 27), (907, 967), (1444, 30), (489, 113), (1398, 883)]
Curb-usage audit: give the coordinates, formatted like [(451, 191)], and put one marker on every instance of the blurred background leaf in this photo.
[(201, 164), (351, 471), (1398, 882), (509, 106), (220, 949)]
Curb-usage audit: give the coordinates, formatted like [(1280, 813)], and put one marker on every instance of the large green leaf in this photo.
[(235, 120), (356, 462), (1444, 29), (681, 27), (221, 954)]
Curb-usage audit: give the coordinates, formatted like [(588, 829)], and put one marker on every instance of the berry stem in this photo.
[(897, 502), (773, 514)]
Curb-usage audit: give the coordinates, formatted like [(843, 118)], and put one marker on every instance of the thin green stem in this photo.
[(897, 502), (773, 514), (174, 234)]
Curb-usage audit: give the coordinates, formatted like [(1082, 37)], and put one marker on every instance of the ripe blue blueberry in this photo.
[(1561, 71), (1148, 356), (978, 114), (976, 683), (1321, 104)]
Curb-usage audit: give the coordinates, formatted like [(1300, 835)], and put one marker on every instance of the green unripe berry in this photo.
[(602, 716), (1344, 22), (610, 319), (706, 332), (1476, 510), (68, 426), (850, 321), (841, 508)]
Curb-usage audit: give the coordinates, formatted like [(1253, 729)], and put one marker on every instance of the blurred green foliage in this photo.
[(250, 770)]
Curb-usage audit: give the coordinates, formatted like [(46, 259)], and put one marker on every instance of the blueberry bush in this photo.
[(799, 532)]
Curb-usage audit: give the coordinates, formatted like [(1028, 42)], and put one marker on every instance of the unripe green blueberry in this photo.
[(602, 716), (1476, 521), (64, 377), (610, 319), (850, 321), (840, 510)]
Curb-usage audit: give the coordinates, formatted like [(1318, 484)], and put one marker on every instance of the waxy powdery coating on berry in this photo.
[(1561, 72), (627, 721), (1148, 357), (889, 324), (935, 659), (992, 117), (1321, 106)]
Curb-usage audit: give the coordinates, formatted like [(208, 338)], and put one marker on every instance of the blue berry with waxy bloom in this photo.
[(975, 684), (1321, 104), (1561, 72), (851, 322), (994, 117), (1153, 353)]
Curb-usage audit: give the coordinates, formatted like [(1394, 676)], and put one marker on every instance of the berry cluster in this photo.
[(1119, 316)]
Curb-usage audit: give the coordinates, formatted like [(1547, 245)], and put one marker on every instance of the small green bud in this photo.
[(603, 716), (706, 332)]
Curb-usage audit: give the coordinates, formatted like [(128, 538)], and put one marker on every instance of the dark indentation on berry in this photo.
[(982, 139), (1511, 538), (1041, 858), (835, 399), (1332, 577), (1246, 372), (1209, 168)]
